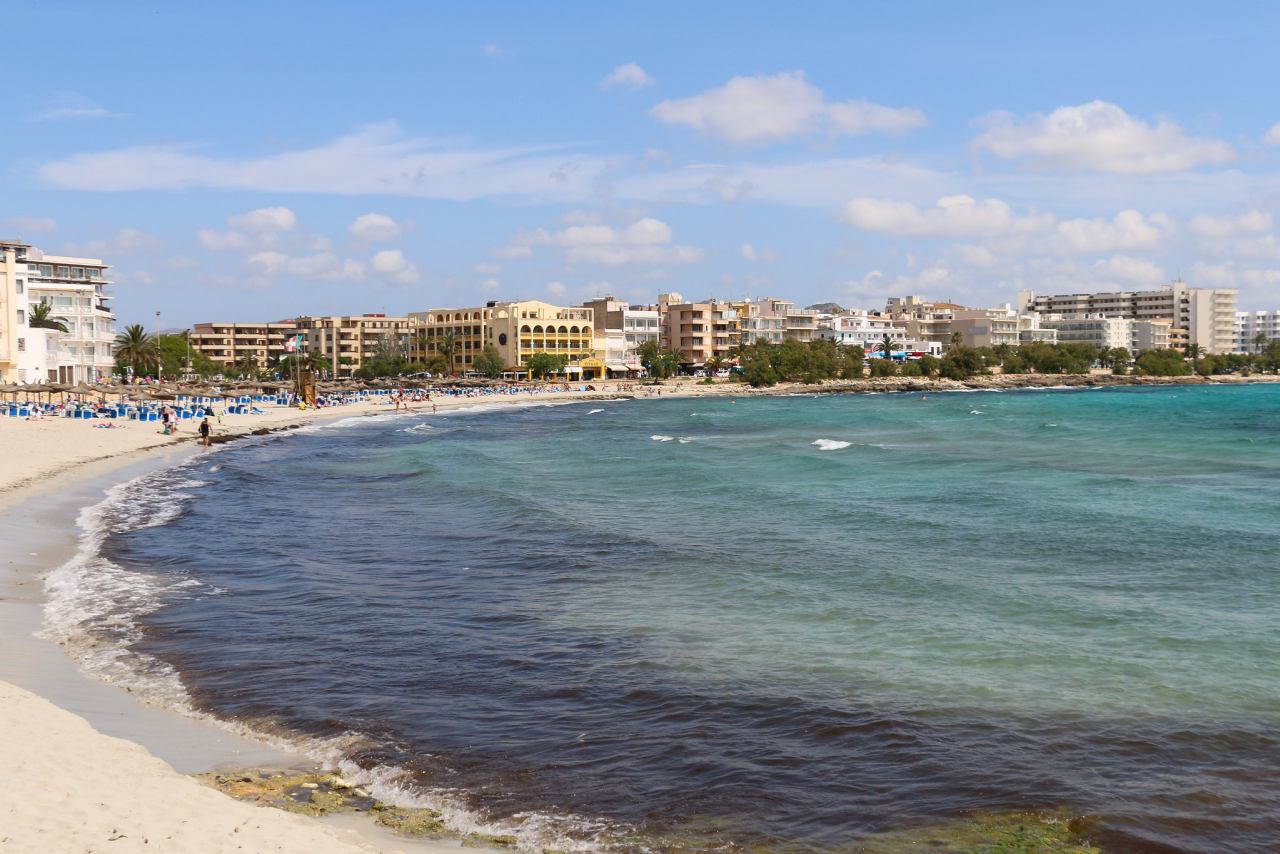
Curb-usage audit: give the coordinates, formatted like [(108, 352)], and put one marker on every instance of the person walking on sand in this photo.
[(204, 431)]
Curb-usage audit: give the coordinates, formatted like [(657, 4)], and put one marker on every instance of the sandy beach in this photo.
[(94, 769)]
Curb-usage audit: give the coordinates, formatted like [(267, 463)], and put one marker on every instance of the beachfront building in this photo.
[(699, 330), (13, 307), (773, 320), (1251, 324), (231, 343), (621, 330), (924, 320), (348, 341), (1110, 332), (75, 289), (1203, 316), (867, 330), (516, 329)]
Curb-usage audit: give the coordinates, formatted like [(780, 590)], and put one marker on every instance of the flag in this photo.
[(291, 345)]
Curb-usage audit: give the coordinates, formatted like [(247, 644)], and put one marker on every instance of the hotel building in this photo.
[(230, 343), (699, 330), (75, 289), (924, 320), (348, 341), (1110, 332), (1251, 324), (516, 329), (1203, 316)]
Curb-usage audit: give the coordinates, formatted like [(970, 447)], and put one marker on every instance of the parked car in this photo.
[(723, 373), (699, 373)]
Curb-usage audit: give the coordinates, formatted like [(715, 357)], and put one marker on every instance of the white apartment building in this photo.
[(1203, 316), (231, 342), (1110, 332), (772, 320), (75, 291), (865, 330), (1251, 324)]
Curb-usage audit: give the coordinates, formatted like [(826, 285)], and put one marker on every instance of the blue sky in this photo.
[(242, 162)]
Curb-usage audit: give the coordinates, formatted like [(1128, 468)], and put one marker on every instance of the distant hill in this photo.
[(825, 308)]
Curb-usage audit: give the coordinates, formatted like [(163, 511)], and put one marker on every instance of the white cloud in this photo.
[(1128, 270), (491, 49), (770, 108), (753, 254), (31, 224), (1273, 135), (557, 289), (951, 216), (976, 256), (69, 105), (488, 269), (1099, 136), (392, 263), (1250, 222), (216, 241), (627, 76), (515, 250), (123, 242), (645, 241), (324, 265), (264, 220), (376, 160), (490, 284), (1129, 229), (375, 227)]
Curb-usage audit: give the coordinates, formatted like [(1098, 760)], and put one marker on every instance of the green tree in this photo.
[(136, 348), (658, 362), (1260, 342), (542, 364), (41, 317), (247, 367), (883, 368), (447, 345), (1194, 352), (489, 362), (886, 346), (1162, 363)]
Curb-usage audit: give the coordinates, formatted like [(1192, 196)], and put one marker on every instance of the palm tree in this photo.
[(1194, 352), (447, 345), (957, 338), (886, 347), (137, 348), (248, 366), (1260, 341), (40, 318)]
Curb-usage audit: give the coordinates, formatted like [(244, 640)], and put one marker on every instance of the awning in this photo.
[(634, 366), (617, 366)]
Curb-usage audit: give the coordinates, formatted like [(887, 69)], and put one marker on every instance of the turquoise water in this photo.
[(789, 620)]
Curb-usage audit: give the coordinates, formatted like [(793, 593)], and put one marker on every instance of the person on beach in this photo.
[(204, 431)]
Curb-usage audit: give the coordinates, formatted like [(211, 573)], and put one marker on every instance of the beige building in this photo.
[(621, 330), (1203, 316), (699, 330), (516, 329), (75, 289), (924, 320), (229, 342), (348, 341)]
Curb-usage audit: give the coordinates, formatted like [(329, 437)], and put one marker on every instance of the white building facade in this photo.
[(865, 330), (1203, 316), (1251, 324), (75, 289)]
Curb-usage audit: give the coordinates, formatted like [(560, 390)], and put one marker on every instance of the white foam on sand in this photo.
[(830, 444)]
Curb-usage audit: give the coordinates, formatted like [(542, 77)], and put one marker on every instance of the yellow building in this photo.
[(516, 329)]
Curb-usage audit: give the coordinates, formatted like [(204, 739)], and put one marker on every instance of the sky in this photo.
[(254, 161)]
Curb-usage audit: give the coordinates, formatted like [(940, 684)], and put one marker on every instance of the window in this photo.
[(62, 272), (46, 269), (22, 316), (77, 272), (22, 344), (19, 285)]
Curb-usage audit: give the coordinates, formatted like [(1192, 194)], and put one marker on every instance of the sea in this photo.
[(770, 623)]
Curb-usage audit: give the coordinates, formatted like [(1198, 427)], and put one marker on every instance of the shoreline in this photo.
[(38, 518)]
